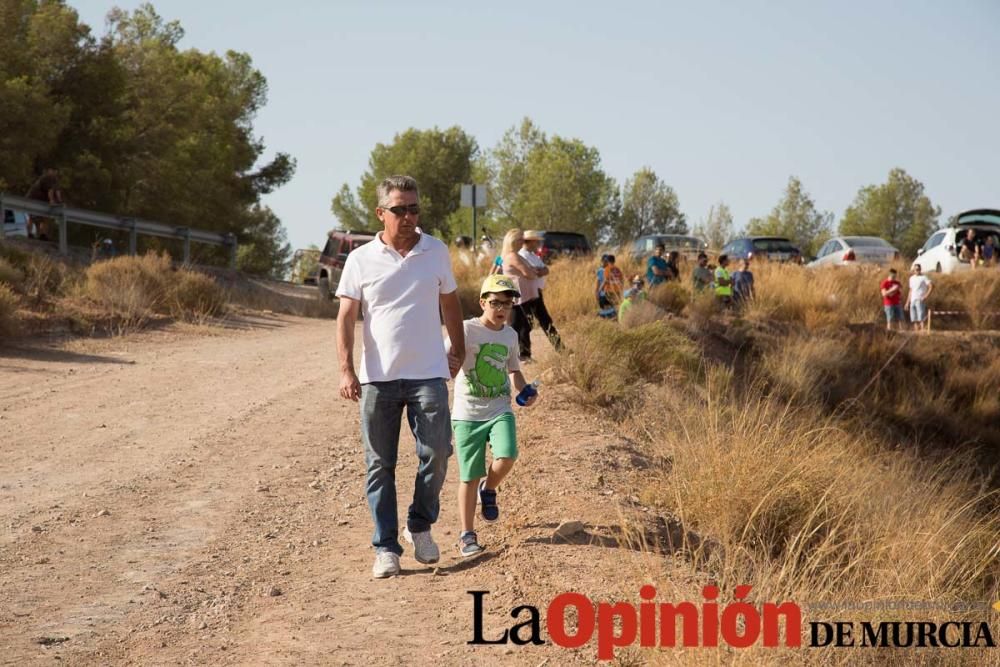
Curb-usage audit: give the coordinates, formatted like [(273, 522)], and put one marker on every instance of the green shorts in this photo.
[(471, 439)]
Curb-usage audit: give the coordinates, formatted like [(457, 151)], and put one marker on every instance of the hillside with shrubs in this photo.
[(814, 455)]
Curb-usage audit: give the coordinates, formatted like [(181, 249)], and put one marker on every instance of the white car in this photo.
[(941, 251), (852, 250), (15, 223)]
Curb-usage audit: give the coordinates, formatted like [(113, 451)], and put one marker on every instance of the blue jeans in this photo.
[(426, 403)]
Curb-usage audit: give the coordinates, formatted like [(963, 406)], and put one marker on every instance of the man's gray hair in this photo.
[(401, 183)]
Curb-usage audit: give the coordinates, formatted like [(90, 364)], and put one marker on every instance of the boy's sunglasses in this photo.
[(400, 211), (497, 305)]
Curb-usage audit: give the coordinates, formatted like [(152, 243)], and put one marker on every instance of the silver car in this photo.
[(852, 250)]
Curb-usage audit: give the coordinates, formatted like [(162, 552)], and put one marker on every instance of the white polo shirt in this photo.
[(400, 301)]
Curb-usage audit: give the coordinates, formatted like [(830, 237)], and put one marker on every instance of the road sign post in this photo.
[(473, 196)]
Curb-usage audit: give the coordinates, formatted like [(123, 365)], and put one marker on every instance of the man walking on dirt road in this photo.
[(398, 280)]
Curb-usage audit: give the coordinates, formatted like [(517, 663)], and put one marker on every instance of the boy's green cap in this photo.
[(498, 283)]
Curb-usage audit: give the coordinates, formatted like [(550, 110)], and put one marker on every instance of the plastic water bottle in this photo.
[(526, 393)]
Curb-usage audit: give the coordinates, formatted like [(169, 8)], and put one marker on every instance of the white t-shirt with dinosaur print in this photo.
[(482, 387)]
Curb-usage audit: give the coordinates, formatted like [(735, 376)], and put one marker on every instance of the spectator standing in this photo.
[(673, 268), (402, 281), (723, 282), (743, 290), (524, 278), (45, 189), (482, 412), (702, 276), (892, 294), (916, 300), (609, 287), (538, 312), (656, 267)]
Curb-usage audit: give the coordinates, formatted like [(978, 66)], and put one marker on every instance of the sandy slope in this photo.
[(196, 496)]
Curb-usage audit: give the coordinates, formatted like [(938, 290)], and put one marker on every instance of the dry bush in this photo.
[(8, 311), (807, 510), (612, 365), (10, 275), (46, 278), (672, 297), (129, 289), (194, 296)]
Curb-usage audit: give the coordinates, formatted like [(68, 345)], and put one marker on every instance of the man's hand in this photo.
[(350, 388), (454, 363)]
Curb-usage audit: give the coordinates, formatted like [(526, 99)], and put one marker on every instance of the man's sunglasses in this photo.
[(400, 211)]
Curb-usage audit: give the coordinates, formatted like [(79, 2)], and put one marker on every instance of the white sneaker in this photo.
[(424, 549), (386, 565)]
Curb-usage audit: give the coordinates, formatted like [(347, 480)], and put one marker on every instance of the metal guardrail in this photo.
[(134, 226)]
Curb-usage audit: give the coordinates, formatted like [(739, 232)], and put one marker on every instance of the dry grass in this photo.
[(612, 366), (9, 304), (9, 274), (842, 465), (804, 509)]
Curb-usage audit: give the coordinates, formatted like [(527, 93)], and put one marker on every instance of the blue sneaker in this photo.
[(488, 504), (468, 545)]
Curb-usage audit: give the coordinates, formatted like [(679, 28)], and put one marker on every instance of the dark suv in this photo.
[(762, 247), (555, 244), (331, 261)]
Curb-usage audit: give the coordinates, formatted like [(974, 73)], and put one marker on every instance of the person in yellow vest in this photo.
[(632, 296), (723, 282)]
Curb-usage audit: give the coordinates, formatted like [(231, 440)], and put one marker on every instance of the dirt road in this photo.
[(197, 497)]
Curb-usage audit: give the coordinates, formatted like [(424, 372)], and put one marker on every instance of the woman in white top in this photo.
[(536, 310), (525, 277)]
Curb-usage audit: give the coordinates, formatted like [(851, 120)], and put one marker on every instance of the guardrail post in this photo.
[(63, 232), (3, 215), (232, 251), (186, 231), (133, 238)]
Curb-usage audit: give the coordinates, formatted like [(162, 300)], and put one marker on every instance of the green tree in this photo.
[(649, 206), (717, 227), (263, 244), (551, 183), (440, 160), (795, 217), (897, 211), (136, 126)]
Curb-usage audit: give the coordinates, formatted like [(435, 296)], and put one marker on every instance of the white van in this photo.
[(15, 223), (941, 251)]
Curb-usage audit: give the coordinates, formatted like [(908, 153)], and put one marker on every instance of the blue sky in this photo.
[(723, 100)]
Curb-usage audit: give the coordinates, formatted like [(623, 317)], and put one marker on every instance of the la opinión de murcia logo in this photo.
[(572, 620)]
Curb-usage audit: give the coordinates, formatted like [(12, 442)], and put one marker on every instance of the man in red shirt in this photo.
[(892, 296)]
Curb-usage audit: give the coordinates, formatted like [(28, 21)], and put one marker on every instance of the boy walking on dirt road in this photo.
[(399, 280), (482, 411)]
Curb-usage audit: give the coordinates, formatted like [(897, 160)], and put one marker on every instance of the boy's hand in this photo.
[(454, 363), (531, 401)]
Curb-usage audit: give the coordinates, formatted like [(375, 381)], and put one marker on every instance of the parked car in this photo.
[(941, 251), (15, 223), (687, 246), (339, 244), (773, 248), (850, 250), (555, 244)]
